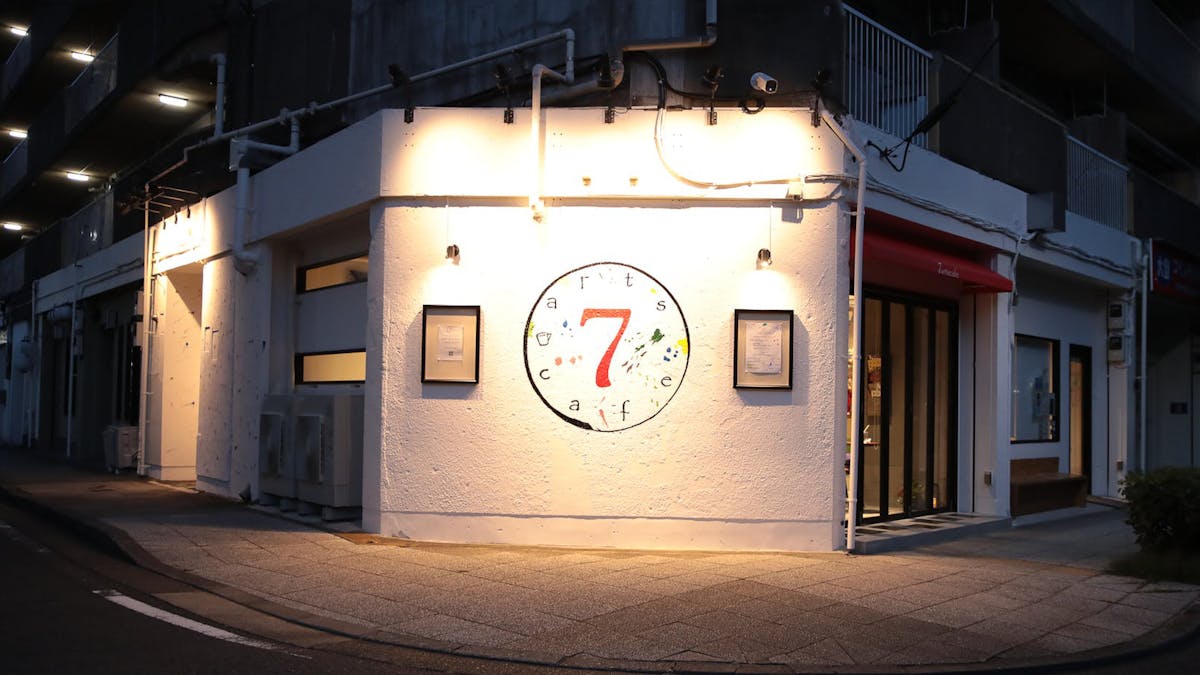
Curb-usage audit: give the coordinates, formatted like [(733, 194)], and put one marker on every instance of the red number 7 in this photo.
[(622, 314)]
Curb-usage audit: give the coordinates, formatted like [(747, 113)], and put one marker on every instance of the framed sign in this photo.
[(606, 346), (450, 343), (762, 348)]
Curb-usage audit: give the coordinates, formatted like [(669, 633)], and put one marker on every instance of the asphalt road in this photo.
[(60, 613), (65, 607)]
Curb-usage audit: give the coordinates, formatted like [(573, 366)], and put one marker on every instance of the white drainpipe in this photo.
[(860, 229), (245, 261), (1142, 417), (535, 133)]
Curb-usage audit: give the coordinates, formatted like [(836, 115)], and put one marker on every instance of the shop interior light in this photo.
[(452, 253), (764, 258), (173, 101), (19, 31), (83, 57), (18, 133), (15, 227), (77, 176)]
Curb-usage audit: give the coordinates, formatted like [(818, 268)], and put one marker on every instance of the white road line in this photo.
[(182, 622), (16, 536)]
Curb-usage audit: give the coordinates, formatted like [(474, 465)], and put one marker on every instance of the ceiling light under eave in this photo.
[(82, 56), (77, 176), (18, 133), (14, 227), (19, 31), (173, 101)]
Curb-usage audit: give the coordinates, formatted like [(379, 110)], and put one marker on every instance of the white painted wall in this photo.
[(717, 468), (175, 365), (1052, 307)]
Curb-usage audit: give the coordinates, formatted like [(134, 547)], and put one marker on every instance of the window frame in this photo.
[(303, 269), (298, 368), (1055, 390)]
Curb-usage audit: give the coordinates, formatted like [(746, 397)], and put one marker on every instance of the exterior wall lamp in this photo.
[(764, 258)]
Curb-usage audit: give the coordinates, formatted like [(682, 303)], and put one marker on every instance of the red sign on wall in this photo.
[(1173, 272)]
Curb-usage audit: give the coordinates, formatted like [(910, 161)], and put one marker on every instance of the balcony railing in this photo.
[(91, 86), (887, 77), (14, 168), (1096, 185)]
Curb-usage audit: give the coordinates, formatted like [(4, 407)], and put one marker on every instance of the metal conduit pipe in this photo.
[(706, 40), (535, 132), (219, 112), (856, 326), (591, 85)]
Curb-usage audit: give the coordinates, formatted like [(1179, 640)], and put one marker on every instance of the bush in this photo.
[(1164, 509)]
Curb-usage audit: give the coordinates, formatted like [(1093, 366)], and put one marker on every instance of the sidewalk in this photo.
[(1019, 597)]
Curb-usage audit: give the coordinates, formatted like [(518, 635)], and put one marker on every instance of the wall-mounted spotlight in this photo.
[(765, 83), (13, 227), (19, 31), (18, 133), (764, 258), (173, 101), (452, 253), (78, 176), (82, 57)]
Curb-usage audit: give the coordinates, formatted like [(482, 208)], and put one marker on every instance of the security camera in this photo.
[(764, 83)]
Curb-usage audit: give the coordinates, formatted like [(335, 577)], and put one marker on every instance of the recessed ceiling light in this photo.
[(18, 133), (81, 177), (82, 56), (173, 101), (15, 227), (18, 31)]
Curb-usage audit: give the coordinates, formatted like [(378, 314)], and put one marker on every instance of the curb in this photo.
[(115, 541)]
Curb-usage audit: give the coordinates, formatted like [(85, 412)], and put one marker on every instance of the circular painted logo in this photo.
[(606, 346)]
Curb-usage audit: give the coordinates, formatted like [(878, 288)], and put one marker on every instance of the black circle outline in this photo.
[(525, 347)]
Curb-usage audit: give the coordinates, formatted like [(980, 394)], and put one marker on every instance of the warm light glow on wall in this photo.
[(82, 57)]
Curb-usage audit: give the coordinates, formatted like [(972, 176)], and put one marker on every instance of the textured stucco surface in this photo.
[(714, 453)]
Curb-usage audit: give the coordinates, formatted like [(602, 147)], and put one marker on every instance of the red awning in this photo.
[(945, 269)]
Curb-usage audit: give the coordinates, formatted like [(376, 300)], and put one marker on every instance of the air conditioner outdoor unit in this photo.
[(328, 437), (276, 464)]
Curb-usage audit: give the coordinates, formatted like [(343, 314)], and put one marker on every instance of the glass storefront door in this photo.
[(908, 407)]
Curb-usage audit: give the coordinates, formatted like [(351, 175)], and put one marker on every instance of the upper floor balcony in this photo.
[(892, 84)]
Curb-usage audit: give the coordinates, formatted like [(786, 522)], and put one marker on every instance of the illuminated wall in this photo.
[(714, 467)]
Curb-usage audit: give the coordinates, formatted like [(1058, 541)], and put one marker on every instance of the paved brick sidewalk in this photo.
[(1030, 593)]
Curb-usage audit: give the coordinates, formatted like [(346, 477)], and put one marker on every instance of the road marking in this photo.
[(176, 620), (16, 536)]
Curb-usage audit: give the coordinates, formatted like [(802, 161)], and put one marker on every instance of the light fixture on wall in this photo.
[(14, 227), (82, 57), (18, 133), (452, 253), (19, 31), (173, 101), (78, 176), (764, 259)]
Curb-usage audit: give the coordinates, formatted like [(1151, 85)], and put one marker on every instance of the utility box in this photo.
[(120, 447), (276, 459), (328, 440)]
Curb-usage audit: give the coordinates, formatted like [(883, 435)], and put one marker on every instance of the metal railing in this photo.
[(887, 77), (1096, 185), (92, 85)]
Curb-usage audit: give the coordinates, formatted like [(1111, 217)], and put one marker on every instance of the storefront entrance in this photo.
[(907, 456)]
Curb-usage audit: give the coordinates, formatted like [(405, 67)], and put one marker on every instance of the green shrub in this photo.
[(1164, 508)]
